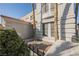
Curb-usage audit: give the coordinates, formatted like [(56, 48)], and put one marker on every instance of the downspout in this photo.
[(41, 23), (76, 11), (34, 24), (56, 23)]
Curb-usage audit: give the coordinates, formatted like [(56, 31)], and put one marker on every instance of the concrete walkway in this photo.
[(63, 48)]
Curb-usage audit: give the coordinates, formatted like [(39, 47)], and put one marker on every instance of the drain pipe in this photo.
[(34, 24), (56, 22), (76, 11)]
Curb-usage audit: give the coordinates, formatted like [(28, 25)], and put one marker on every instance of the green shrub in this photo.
[(11, 44)]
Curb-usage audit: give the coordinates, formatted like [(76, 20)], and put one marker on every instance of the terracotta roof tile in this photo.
[(14, 19)]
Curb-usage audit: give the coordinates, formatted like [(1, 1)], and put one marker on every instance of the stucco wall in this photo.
[(23, 30), (66, 21)]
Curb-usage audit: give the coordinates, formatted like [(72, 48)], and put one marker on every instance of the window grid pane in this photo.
[(52, 29), (52, 6), (45, 8)]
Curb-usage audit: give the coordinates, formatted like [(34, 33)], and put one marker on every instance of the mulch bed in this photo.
[(39, 49)]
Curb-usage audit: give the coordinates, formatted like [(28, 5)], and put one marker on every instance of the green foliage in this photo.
[(11, 44)]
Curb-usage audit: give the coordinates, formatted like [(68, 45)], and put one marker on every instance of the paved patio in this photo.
[(63, 48)]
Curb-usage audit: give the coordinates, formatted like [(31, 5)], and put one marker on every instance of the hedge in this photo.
[(11, 44)]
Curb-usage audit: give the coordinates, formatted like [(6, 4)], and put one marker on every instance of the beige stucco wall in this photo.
[(26, 18), (23, 29), (1, 27), (66, 21)]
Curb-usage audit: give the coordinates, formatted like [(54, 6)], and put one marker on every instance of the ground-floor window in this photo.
[(48, 29), (52, 29), (45, 29)]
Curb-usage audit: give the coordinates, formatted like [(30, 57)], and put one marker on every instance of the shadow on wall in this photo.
[(63, 21), (29, 33), (38, 34)]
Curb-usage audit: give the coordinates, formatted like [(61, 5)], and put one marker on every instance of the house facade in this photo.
[(45, 19)]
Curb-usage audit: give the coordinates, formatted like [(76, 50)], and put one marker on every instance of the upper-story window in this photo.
[(45, 7), (31, 17), (52, 6)]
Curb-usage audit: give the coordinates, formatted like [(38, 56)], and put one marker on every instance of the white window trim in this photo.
[(49, 30), (49, 8)]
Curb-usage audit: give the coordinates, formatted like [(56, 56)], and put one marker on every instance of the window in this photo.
[(52, 6), (45, 29), (52, 29), (45, 8), (31, 17)]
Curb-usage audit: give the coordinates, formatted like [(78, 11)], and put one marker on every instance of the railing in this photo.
[(75, 39)]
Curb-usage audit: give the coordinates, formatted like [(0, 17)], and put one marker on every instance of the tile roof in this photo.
[(14, 19)]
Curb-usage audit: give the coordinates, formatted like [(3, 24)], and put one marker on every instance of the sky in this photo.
[(16, 10)]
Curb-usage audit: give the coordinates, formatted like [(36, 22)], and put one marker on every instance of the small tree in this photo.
[(11, 44)]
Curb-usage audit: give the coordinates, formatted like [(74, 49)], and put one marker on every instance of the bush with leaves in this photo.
[(11, 44)]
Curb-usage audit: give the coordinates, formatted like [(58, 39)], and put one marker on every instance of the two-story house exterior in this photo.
[(45, 18)]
